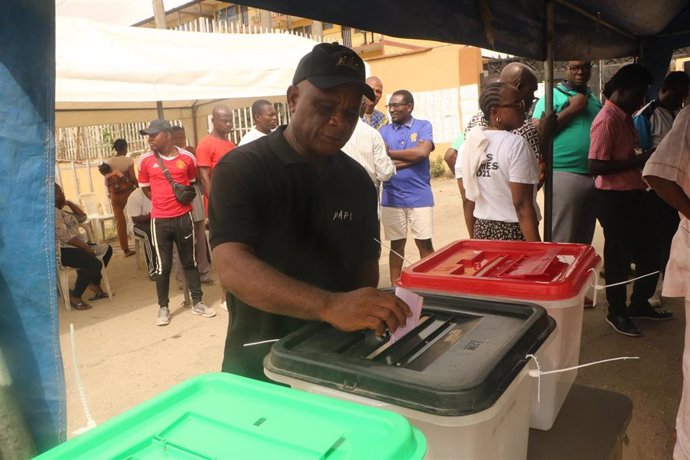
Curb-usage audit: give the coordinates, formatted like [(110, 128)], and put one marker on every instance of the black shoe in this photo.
[(646, 311), (623, 325)]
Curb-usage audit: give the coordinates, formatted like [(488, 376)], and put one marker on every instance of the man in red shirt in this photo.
[(620, 208), (171, 221), (215, 145)]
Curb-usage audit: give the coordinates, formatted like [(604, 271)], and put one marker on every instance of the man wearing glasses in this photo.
[(407, 196), (573, 187)]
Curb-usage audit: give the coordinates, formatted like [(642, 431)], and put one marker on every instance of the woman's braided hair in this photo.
[(119, 144), (490, 98)]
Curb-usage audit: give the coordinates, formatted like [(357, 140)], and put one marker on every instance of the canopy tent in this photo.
[(111, 74), (28, 299), (587, 29)]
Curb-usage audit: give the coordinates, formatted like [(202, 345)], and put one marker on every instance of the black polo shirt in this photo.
[(315, 227)]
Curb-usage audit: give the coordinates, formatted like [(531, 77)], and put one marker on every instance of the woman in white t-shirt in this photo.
[(498, 172)]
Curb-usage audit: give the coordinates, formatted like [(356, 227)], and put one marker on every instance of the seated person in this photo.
[(139, 224), (76, 252)]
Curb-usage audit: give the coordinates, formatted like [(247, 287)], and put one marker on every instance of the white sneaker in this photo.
[(224, 305), (201, 309), (163, 316)]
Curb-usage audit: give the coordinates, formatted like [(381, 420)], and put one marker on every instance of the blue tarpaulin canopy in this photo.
[(585, 29)]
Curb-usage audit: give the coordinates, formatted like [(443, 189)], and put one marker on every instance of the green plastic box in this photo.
[(224, 416)]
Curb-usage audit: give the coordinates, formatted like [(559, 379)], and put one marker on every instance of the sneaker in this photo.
[(208, 281), (646, 311), (201, 309), (623, 325), (163, 316), (224, 305)]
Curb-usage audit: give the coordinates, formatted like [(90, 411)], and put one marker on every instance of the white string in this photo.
[(628, 281), (251, 344), (596, 283), (90, 422), (538, 372), (394, 252)]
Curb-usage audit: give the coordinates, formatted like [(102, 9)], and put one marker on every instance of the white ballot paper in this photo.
[(415, 303)]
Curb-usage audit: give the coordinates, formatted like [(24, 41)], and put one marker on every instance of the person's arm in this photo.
[(63, 235), (604, 167), (523, 201), (258, 284), (414, 154), (384, 168), (450, 157), (131, 175), (467, 209), (76, 210), (671, 193), (205, 176)]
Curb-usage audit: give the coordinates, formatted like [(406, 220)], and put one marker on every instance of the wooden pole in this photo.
[(159, 17)]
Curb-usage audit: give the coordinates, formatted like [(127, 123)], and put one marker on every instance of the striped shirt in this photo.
[(613, 138), (366, 146)]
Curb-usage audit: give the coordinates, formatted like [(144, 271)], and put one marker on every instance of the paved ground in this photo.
[(125, 359)]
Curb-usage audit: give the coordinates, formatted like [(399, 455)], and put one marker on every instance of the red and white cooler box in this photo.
[(554, 275)]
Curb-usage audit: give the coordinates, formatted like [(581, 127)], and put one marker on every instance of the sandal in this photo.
[(80, 305), (129, 253), (102, 295)]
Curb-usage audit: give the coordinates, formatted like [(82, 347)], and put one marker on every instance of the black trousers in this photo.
[(165, 233), (88, 267), (665, 220), (143, 231), (629, 236)]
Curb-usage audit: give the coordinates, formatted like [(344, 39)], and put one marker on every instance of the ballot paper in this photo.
[(415, 303)]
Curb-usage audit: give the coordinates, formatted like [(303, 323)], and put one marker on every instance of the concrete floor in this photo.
[(125, 359)]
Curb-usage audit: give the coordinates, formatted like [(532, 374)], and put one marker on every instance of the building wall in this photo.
[(438, 77)]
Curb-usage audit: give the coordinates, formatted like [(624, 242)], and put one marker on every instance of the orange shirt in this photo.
[(210, 150)]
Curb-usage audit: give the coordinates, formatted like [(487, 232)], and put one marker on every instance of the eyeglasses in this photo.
[(395, 105), (580, 68)]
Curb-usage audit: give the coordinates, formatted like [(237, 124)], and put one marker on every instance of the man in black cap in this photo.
[(171, 220), (293, 220)]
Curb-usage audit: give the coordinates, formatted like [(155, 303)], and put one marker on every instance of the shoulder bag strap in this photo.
[(165, 171)]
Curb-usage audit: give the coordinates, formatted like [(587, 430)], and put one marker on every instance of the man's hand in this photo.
[(365, 308), (578, 102), (547, 127)]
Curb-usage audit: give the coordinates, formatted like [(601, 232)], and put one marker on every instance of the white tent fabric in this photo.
[(102, 63)]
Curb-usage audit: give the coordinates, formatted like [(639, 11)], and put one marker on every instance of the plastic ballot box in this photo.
[(460, 376), (555, 276), (219, 416)]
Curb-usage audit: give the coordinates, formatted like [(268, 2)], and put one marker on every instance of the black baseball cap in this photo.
[(329, 65), (155, 127)]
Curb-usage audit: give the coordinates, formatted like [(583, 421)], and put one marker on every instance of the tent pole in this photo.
[(161, 23), (548, 106)]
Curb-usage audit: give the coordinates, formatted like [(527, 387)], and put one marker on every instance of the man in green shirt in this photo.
[(573, 187)]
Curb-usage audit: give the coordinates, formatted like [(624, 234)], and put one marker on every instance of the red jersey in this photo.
[(182, 169), (211, 149)]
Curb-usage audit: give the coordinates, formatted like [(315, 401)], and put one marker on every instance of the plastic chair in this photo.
[(63, 279), (96, 211)]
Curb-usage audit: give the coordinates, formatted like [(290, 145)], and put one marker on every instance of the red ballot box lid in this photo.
[(508, 269)]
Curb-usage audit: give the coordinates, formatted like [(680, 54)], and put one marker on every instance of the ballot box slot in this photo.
[(436, 334)]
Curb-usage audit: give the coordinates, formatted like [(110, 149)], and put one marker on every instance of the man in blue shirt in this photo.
[(407, 197)]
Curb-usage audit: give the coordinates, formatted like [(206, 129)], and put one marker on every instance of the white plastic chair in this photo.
[(96, 211), (63, 279)]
